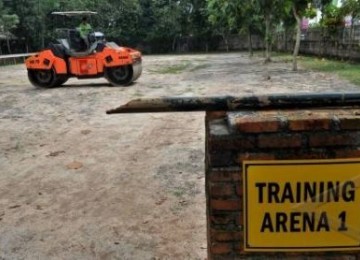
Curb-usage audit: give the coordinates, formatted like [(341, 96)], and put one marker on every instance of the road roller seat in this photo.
[(76, 43)]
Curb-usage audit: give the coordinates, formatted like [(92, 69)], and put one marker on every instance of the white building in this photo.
[(317, 19)]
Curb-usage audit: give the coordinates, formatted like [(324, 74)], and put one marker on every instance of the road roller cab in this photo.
[(71, 56)]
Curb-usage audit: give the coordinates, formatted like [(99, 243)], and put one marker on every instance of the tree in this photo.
[(300, 9), (160, 23), (252, 21), (29, 22), (243, 17), (218, 11), (352, 8), (119, 20), (199, 27), (193, 22), (272, 11), (332, 16), (8, 22)]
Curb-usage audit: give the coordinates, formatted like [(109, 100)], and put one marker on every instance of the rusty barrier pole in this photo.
[(231, 103), (282, 173)]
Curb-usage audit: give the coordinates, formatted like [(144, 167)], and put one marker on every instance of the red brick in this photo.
[(222, 190), (239, 248), (225, 236), (239, 189), (218, 204), (211, 115), (223, 219), (280, 141), (306, 155), (223, 176), (227, 214), (349, 122), (256, 156), (221, 159), (240, 220), (250, 124), (310, 124), (220, 248), (334, 139), (232, 143)]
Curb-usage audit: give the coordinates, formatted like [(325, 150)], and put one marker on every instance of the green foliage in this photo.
[(9, 22), (315, 25), (332, 16), (351, 7), (310, 12), (159, 23), (162, 24), (218, 16), (345, 70)]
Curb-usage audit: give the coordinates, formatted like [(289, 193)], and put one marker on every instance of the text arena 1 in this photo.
[(301, 205)]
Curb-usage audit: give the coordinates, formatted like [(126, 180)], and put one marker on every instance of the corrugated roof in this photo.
[(5, 36)]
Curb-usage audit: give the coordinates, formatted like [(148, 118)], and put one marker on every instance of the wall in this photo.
[(232, 137), (342, 43)]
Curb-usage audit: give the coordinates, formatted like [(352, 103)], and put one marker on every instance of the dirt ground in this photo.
[(76, 183)]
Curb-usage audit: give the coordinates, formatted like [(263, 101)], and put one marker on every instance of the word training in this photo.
[(303, 193)]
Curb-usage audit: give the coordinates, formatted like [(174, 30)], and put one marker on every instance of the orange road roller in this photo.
[(71, 56)]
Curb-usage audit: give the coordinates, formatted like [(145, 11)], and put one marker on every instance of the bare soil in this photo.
[(76, 183)]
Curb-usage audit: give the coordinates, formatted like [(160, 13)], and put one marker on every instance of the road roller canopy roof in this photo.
[(74, 13)]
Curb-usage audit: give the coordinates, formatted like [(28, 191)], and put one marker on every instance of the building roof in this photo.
[(74, 13), (7, 36)]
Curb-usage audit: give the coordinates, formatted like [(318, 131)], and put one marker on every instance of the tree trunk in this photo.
[(251, 53), (43, 29), (298, 35), (226, 42), (174, 43), (8, 45), (350, 41), (42, 40), (26, 45), (267, 38)]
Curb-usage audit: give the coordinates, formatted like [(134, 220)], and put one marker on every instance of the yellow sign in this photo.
[(301, 205)]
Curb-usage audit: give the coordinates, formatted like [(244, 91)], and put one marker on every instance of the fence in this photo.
[(14, 58), (341, 42), (336, 42)]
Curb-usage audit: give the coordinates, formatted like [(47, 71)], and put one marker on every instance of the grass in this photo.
[(173, 69), (344, 69), (199, 67), (155, 86), (178, 68), (179, 192)]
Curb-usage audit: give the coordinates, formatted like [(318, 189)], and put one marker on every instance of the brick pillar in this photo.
[(232, 137)]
